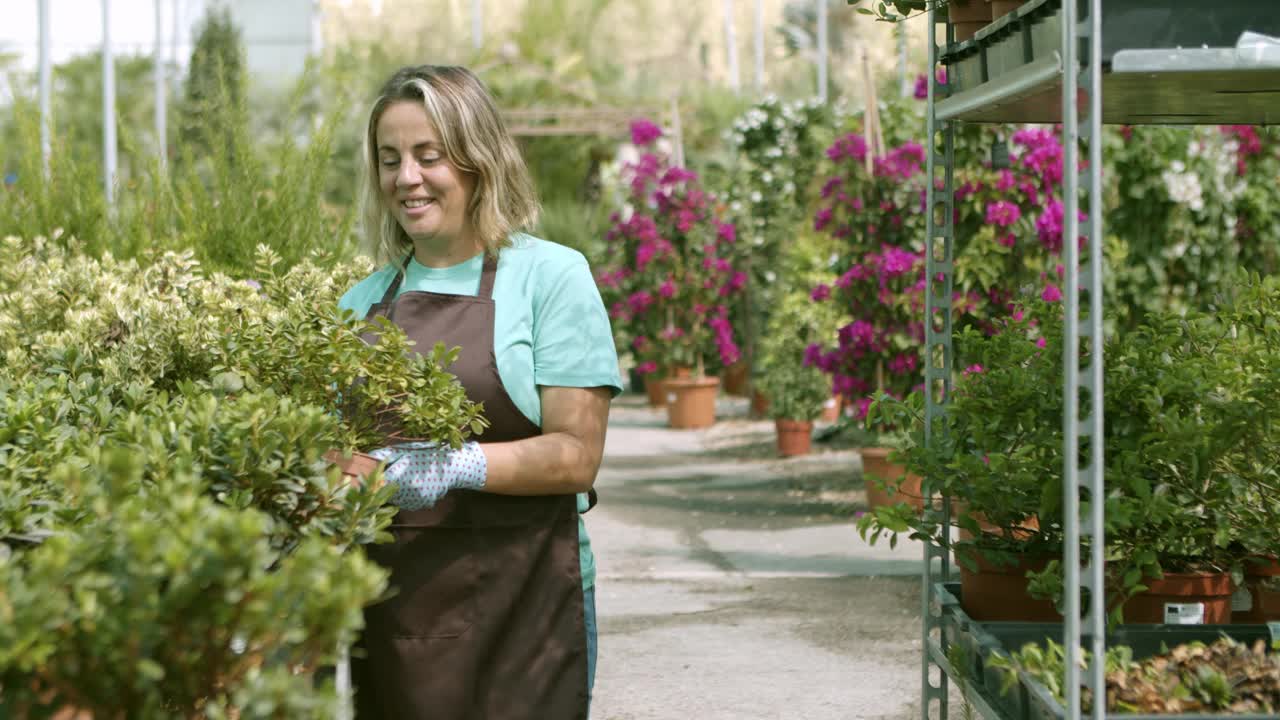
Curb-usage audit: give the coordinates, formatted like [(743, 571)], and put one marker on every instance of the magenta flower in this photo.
[(647, 367), (974, 369), (1041, 342), (639, 343), (922, 87), (644, 132), (822, 219), (1003, 213), (820, 293), (668, 288), (1051, 293), (726, 232)]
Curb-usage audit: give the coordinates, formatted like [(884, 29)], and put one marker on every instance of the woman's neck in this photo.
[(437, 253)]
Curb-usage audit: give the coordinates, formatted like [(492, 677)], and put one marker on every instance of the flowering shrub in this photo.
[(670, 278), (1008, 225), (1194, 206)]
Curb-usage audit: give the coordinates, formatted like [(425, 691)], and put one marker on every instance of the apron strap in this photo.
[(394, 287), (487, 272)]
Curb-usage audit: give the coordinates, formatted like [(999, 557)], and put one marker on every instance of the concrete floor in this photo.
[(733, 586)]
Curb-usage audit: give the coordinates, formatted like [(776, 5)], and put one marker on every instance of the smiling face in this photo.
[(425, 192)]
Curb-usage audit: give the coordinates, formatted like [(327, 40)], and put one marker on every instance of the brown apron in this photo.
[(487, 621)]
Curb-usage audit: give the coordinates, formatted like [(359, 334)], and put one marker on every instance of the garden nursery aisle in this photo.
[(733, 586)]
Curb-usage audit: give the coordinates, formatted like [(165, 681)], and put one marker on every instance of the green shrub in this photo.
[(172, 543)]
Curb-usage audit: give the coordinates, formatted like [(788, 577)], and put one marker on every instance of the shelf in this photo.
[(1012, 71)]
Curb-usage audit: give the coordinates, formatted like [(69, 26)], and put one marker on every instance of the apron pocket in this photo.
[(434, 576)]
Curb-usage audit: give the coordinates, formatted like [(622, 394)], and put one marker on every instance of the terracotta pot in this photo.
[(1000, 8), (876, 466), (691, 402), (759, 404), (656, 389), (354, 468), (969, 11), (1264, 604), (656, 393), (968, 17), (998, 593), (735, 379), (1205, 597), (959, 509), (795, 437), (831, 410)]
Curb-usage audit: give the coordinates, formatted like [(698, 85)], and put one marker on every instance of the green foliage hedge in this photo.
[(172, 543)]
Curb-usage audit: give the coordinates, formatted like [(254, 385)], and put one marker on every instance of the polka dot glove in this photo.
[(423, 472)]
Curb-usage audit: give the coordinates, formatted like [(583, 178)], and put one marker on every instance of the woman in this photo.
[(493, 616)]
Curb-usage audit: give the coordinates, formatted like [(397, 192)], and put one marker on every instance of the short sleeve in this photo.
[(572, 340), (367, 292)]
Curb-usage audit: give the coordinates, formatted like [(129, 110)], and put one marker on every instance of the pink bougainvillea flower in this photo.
[(1041, 342), (647, 367), (644, 132), (974, 369), (668, 288), (1003, 213), (1051, 293), (822, 219), (820, 293)]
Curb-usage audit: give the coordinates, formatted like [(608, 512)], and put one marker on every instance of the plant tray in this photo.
[(1164, 61), (1030, 700)]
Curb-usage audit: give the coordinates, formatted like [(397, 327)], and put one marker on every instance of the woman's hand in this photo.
[(424, 472)]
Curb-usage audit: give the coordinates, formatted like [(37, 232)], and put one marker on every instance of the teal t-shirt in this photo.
[(550, 326)]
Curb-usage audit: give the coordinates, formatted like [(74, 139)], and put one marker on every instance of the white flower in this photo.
[(756, 196), (1183, 187)]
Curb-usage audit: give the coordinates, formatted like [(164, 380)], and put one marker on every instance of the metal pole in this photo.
[(108, 107), (731, 46), (904, 84), (46, 89), (162, 144), (477, 24), (173, 41), (1071, 361), (1097, 478), (938, 358), (759, 46), (822, 50)]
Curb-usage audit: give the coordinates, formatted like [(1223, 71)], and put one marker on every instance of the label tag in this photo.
[(1274, 629), (1242, 600), (671, 398), (1184, 613)]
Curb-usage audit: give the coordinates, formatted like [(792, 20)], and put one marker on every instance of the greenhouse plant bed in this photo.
[(1029, 699)]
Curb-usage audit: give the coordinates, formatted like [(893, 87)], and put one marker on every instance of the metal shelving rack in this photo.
[(1144, 86)]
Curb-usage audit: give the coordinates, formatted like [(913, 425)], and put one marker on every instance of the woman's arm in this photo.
[(565, 458)]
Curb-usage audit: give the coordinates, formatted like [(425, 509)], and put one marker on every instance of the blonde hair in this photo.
[(475, 140)]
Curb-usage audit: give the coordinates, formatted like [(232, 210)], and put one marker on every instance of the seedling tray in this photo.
[(1029, 699)]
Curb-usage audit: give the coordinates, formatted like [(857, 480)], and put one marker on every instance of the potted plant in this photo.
[(676, 275), (797, 391), (967, 16), (1176, 422)]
